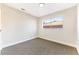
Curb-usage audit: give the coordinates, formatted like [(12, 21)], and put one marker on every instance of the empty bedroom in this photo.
[(38, 29)]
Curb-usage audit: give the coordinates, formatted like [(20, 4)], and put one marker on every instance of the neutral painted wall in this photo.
[(0, 28), (66, 35), (78, 28), (17, 26)]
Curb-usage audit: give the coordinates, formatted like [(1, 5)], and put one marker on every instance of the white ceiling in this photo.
[(35, 10)]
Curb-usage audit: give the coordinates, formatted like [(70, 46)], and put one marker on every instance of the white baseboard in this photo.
[(42, 38), (18, 42), (75, 46)]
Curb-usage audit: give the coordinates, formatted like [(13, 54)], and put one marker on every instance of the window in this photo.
[(56, 22)]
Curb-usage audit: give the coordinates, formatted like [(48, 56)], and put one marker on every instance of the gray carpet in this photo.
[(39, 47)]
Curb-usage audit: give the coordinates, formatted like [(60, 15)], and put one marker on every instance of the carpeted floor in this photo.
[(39, 47)]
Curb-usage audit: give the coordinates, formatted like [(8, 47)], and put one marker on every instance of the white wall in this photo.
[(0, 28), (17, 26), (78, 27), (66, 35)]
